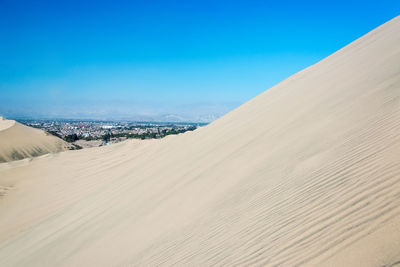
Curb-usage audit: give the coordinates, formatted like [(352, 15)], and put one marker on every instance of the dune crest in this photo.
[(307, 173), (18, 141), (5, 124)]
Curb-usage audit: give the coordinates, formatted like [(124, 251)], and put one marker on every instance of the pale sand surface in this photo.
[(307, 173), (18, 141), (5, 124), (89, 144)]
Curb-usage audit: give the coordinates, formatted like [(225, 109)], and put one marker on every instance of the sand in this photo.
[(18, 141), (5, 124), (307, 173), (89, 144)]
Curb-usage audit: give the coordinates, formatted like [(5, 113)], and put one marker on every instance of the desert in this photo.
[(307, 173)]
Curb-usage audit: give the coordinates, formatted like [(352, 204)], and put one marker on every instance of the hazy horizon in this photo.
[(164, 61)]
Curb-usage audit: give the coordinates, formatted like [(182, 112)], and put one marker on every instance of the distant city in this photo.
[(83, 134)]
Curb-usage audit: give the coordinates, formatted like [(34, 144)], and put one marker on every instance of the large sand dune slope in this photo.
[(308, 173), (18, 141)]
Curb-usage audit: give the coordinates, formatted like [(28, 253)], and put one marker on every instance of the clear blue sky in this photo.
[(148, 59)]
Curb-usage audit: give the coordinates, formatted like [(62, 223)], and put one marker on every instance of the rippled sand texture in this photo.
[(307, 173)]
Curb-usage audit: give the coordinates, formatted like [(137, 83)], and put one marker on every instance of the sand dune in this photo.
[(18, 141), (5, 124), (307, 173)]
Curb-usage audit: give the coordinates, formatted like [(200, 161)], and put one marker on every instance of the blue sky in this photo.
[(193, 60)]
